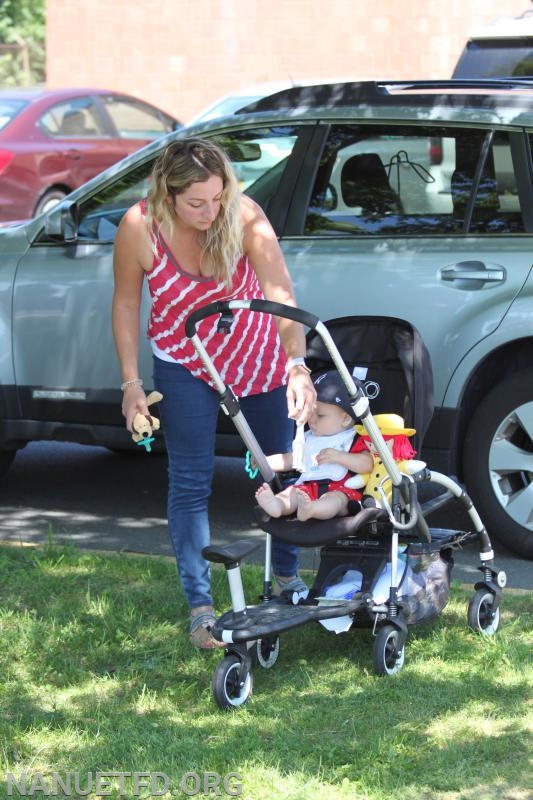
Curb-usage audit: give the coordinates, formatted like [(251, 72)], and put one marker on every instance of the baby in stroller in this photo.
[(327, 462)]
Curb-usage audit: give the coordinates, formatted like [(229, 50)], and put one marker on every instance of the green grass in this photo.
[(97, 674)]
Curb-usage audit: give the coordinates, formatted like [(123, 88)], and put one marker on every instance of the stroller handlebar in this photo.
[(262, 306)]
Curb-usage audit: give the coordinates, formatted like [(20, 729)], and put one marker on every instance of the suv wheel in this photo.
[(498, 462)]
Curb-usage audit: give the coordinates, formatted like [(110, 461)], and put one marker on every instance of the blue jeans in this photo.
[(189, 412)]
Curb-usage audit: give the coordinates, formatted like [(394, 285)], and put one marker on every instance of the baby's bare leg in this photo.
[(276, 505), (331, 504)]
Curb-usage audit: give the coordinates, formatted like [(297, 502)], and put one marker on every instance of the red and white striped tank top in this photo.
[(250, 358)]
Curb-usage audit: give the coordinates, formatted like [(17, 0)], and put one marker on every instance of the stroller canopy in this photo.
[(390, 359)]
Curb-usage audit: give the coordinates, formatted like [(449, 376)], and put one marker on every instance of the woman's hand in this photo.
[(301, 394), (134, 402)]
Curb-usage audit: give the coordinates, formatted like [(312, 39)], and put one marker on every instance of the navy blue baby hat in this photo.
[(330, 388)]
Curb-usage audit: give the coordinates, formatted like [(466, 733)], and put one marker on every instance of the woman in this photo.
[(197, 240)]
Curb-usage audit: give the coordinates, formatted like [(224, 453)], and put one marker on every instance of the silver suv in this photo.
[(407, 199)]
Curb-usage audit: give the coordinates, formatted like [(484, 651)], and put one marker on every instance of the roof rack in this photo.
[(328, 95)]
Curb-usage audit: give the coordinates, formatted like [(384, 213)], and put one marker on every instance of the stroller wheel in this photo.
[(389, 652), (265, 652), (229, 689), (482, 617)]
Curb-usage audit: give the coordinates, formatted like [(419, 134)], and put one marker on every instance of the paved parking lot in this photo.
[(93, 498)]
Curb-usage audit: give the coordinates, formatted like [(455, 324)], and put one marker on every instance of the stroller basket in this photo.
[(383, 567), (424, 574)]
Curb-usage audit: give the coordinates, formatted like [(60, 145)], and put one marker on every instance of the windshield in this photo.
[(496, 58), (9, 109)]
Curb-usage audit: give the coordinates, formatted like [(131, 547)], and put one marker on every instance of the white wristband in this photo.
[(298, 361), (132, 382)]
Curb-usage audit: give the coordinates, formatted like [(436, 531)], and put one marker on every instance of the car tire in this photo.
[(498, 462), (48, 201), (6, 459)]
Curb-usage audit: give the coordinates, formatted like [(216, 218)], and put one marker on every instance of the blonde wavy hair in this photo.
[(194, 160)]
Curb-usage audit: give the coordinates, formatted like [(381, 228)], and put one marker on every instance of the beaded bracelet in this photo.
[(132, 382)]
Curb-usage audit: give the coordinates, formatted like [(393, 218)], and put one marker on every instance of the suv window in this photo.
[(496, 58), (100, 214), (374, 180), (258, 156)]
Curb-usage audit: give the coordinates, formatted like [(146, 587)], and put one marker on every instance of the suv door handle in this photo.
[(473, 274)]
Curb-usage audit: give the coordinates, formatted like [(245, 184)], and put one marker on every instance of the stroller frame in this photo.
[(250, 633)]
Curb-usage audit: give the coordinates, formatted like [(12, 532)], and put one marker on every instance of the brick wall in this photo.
[(184, 54)]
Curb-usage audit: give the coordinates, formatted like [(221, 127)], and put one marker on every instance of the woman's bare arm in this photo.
[(129, 263), (264, 253)]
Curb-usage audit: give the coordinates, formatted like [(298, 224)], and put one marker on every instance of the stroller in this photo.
[(382, 567)]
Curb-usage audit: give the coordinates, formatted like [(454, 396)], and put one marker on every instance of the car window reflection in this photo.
[(386, 181)]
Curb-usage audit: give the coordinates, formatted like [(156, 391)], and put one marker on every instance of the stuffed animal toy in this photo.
[(396, 436), (143, 426)]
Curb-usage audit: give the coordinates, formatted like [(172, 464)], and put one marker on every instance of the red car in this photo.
[(52, 141)]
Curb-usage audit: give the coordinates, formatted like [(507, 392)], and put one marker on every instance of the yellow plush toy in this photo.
[(143, 426), (396, 437)]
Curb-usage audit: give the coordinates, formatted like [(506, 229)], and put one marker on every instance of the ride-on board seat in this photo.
[(431, 562)]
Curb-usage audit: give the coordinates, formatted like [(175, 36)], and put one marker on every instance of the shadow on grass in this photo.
[(98, 674)]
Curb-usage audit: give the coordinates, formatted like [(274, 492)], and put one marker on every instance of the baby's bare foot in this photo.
[(267, 500), (304, 509)]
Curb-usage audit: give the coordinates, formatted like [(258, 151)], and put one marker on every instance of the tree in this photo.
[(22, 42)]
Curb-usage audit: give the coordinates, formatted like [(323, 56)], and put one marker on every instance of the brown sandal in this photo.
[(200, 631)]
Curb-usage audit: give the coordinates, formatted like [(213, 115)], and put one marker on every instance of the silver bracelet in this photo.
[(297, 361), (132, 382)]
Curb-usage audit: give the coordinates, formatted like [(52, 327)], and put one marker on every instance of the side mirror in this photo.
[(62, 222)]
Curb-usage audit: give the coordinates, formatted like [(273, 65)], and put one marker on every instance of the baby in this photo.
[(320, 491)]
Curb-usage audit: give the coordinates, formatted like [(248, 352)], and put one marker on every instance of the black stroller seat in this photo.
[(314, 532)]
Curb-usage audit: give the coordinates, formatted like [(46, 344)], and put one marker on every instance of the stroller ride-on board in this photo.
[(382, 567)]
